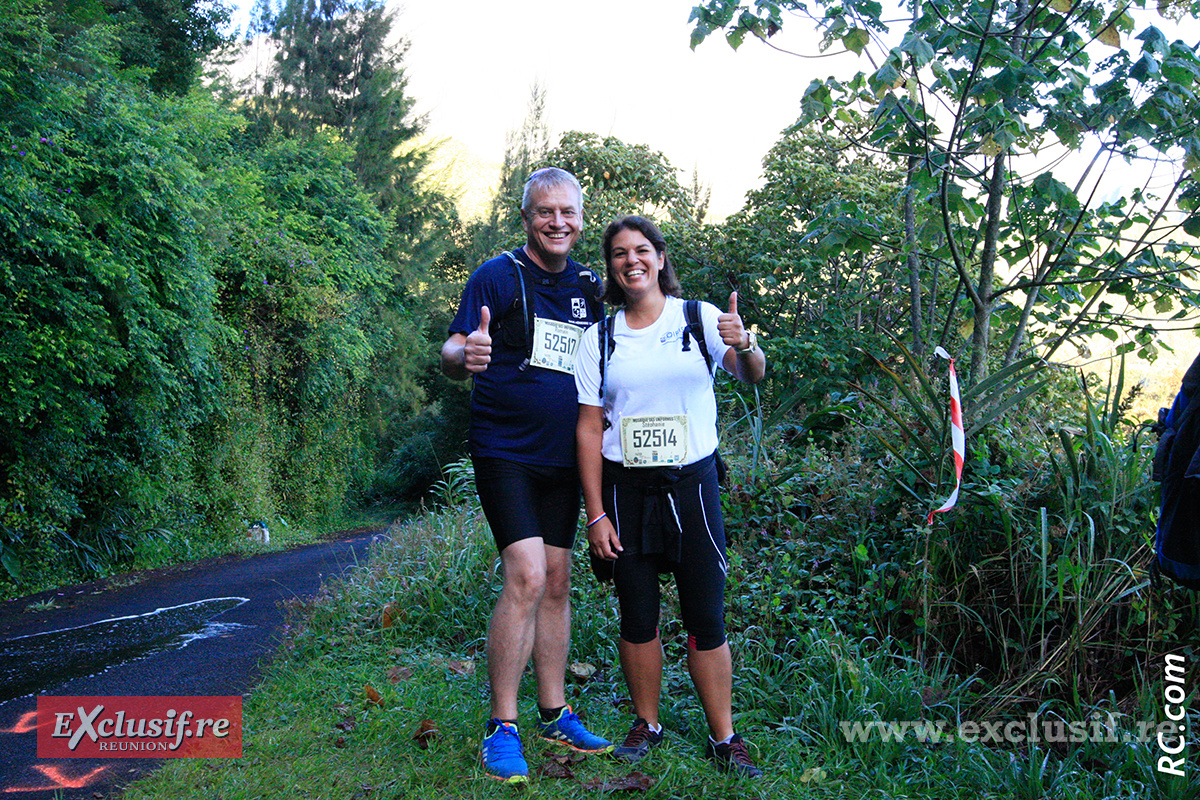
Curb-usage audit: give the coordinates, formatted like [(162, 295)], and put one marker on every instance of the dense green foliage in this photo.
[(202, 308), (886, 226)]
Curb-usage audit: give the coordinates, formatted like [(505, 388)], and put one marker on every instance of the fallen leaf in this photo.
[(347, 724), (813, 775), (568, 757), (398, 673), (340, 741), (372, 695), (581, 672), (388, 616), (466, 667), (555, 769), (427, 732), (633, 782)]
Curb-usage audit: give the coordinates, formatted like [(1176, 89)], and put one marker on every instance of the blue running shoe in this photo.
[(502, 755), (568, 730)]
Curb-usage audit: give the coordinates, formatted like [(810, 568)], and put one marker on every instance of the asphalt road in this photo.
[(200, 630)]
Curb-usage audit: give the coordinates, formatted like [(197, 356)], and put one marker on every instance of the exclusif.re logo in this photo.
[(139, 727)]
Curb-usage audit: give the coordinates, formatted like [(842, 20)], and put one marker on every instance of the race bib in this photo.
[(653, 441), (555, 345)]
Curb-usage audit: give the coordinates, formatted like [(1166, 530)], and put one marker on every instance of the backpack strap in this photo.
[(526, 313), (695, 330), (606, 341), (589, 287)]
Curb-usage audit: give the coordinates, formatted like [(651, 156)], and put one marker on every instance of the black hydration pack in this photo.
[(1177, 466), (514, 323)]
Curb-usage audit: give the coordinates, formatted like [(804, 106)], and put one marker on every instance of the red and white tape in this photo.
[(958, 438)]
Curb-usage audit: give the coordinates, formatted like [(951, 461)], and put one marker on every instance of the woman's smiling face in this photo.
[(634, 263)]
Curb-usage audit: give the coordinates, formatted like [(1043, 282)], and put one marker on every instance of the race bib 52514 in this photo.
[(654, 441)]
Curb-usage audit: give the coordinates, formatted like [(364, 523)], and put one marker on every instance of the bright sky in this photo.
[(610, 67)]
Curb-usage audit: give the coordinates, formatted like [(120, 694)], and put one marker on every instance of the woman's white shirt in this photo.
[(649, 374)]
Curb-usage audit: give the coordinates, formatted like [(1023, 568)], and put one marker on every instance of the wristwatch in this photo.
[(750, 347)]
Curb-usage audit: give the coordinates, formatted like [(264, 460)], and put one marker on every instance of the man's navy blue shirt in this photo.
[(526, 415)]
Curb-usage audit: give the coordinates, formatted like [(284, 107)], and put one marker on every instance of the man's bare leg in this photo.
[(552, 634), (512, 632)]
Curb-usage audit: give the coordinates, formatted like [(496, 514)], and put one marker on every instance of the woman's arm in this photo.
[(589, 434), (748, 365)]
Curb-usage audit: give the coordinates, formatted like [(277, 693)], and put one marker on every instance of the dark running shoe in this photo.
[(733, 757), (638, 742)]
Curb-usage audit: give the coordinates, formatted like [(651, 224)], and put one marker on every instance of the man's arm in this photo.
[(463, 356)]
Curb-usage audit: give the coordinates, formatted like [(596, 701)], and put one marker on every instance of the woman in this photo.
[(647, 442)]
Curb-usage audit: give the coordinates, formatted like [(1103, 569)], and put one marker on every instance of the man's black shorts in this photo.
[(523, 501)]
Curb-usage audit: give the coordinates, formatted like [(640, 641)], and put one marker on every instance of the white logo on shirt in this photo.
[(578, 307), (672, 336)]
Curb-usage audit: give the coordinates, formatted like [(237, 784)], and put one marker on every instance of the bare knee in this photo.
[(525, 583), (558, 585)]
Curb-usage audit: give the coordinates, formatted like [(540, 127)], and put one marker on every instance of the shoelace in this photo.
[(739, 754), (507, 744), (639, 736)]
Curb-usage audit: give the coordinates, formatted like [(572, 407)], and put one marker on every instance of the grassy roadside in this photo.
[(407, 629)]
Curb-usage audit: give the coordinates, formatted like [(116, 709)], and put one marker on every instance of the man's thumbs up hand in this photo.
[(478, 351)]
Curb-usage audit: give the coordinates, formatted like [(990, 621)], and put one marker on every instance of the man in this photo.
[(516, 332)]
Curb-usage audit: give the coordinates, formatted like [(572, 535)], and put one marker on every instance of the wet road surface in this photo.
[(200, 630)]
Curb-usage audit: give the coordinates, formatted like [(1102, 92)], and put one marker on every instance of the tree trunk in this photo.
[(984, 301), (911, 261)]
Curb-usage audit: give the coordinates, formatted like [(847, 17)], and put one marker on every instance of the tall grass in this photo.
[(410, 624)]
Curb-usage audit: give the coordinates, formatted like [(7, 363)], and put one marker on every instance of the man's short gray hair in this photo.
[(548, 178)]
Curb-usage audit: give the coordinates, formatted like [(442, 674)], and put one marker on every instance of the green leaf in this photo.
[(916, 46), (885, 79), (856, 40), (1155, 40), (1145, 68), (1191, 225), (11, 565)]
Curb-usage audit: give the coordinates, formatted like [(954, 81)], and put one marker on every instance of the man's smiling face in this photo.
[(552, 226)]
